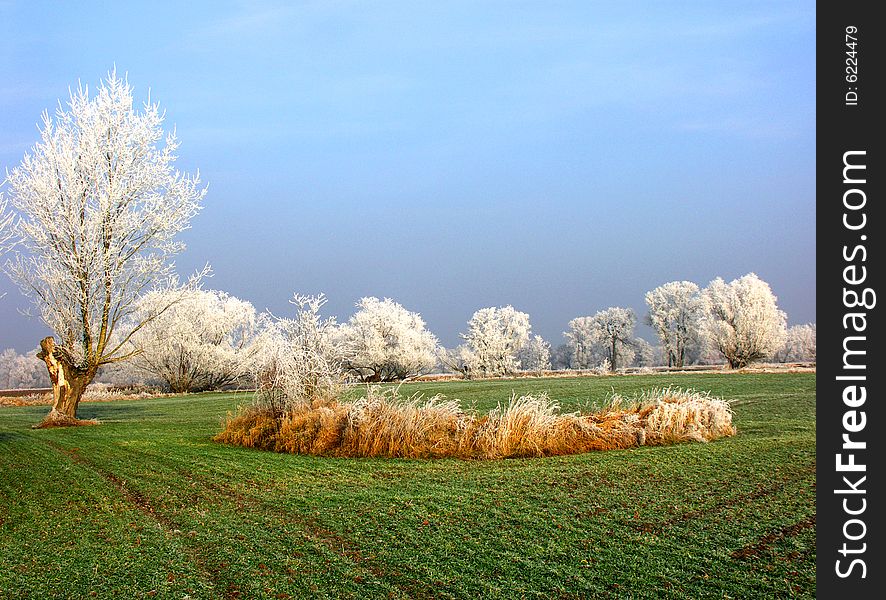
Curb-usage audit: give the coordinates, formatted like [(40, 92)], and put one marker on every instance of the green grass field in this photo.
[(146, 505)]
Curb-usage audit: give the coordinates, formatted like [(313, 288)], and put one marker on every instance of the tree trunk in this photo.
[(69, 381)]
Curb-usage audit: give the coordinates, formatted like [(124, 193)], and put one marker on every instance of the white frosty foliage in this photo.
[(295, 360), (604, 367), (609, 334), (799, 345), (744, 321), (494, 337), (644, 353), (200, 342), (535, 355), (19, 371), (676, 312), (581, 344), (383, 341), (456, 359), (99, 205), (6, 218)]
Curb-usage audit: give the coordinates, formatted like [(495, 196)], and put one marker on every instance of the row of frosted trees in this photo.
[(209, 339)]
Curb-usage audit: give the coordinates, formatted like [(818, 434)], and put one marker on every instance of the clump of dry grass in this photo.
[(252, 427), (534, 426), (676, 415), (381, 424)]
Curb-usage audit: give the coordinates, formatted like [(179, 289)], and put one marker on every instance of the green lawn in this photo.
[(145, 505)]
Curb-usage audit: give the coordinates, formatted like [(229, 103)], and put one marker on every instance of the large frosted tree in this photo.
[(609, 335), (743, 320), (615, 329), (676, 312), (202, 341), (99, 205), (581, 351), (494, 338), (383, 341)]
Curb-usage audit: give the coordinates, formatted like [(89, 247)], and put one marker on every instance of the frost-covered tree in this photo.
[(200, 342), (676, 312), (561, 357), (383, 341), (582, 345), (8, 376), (495, 336), (609, 334), (644, 353), (535, 356), (744, 322), (799, 345), (296, 360), (98, 205), (456, 359), (615, 327), (124, 374), (21, 371)]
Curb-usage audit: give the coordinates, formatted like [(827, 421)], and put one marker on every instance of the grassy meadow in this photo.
[(147, 506)]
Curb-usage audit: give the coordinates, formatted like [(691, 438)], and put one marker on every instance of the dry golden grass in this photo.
[(253, 427), (672, 416), (381, 424)]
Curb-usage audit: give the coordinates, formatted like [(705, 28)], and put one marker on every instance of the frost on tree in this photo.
[(5, 224), (581, 350), (201, 341), (21, 371), (495, 337), (385, 342), (5, 228), (295, 360), (645, 354), (605, 338), (561, 357), (535, 356), (99, 205), (676, 312), (744, 322), (799, 345)]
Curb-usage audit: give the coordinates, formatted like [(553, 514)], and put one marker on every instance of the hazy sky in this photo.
[(561, 157)]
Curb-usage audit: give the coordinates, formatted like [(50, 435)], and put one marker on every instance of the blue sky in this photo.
[(561, 157)]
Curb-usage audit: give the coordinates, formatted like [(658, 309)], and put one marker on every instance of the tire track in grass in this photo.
[(770, 539), (247, 504), (761, 491), (315, 532), (144, 506)]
